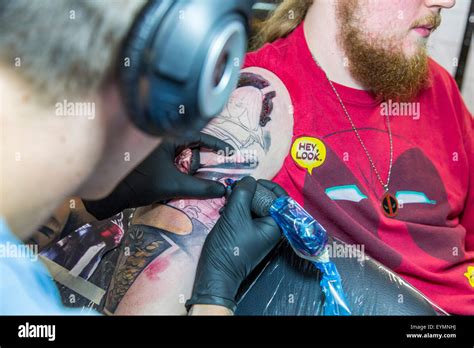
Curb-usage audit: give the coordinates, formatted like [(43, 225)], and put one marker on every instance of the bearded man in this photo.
[(399, 183)]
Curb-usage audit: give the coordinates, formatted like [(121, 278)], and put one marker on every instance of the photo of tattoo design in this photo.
[(81, 251)]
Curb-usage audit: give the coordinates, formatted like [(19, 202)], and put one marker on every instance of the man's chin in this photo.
[(389, 68), (408, 93), (393, 77)]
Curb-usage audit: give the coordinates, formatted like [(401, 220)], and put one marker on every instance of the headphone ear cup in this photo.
[(177, 67), (194, 73), (219, 74), (131, 64)]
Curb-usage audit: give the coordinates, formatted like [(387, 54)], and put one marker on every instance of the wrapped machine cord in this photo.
[(308, 239)]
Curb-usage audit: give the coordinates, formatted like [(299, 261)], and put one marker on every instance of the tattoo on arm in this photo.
[(242, 124)]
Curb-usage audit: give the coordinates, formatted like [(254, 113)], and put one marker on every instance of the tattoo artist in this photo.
[(139, 102)]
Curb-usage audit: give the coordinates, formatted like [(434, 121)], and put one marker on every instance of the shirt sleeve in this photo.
[(26, 287)]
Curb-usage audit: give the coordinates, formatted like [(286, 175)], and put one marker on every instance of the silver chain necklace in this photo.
[(389, 201)]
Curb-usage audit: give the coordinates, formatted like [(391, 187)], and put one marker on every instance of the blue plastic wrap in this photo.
[(308, 239)]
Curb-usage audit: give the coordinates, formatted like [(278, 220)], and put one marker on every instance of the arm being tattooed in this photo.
[(158, 260)]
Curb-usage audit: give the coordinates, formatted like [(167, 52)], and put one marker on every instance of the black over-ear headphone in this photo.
[(181, 61)]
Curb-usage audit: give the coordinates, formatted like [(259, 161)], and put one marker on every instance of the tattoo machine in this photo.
[(307, 238)]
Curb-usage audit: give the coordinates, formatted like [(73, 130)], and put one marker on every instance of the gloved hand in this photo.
[(157, 179), (234, 247)]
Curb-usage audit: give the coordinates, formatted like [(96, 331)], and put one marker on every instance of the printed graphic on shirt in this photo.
[(308, 153), (470, 275), (349, 208), (345, 193)]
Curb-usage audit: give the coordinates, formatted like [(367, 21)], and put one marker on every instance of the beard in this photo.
[(380, 65)]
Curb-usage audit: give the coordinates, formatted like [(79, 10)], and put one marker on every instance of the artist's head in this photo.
[(384, 40), (65, 130), (57, 63)]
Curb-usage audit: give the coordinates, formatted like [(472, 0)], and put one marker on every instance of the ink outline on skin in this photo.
[(127, 274)]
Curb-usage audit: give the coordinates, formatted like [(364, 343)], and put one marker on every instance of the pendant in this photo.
[(389, 205)]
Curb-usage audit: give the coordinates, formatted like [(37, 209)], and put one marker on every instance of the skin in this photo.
[(389, 20), (51, 230), (166, 282), (54, 161)]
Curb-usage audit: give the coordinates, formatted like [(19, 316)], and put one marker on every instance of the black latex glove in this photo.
[(158, 179), (234, 247)]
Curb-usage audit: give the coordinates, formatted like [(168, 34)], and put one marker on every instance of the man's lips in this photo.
[(424, 30)]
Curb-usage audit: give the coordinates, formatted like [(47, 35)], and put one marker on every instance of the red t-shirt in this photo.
[(430, 243)]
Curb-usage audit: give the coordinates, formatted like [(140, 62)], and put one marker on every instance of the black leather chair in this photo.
[(287, 285)]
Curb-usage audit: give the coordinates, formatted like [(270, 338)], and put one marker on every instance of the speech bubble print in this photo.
[(470, 275), (308, 153)]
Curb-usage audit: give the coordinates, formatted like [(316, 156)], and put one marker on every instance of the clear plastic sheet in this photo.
[(286, 284)]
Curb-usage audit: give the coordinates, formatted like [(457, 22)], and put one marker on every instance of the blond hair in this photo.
[(281, 22), (64, 47)]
